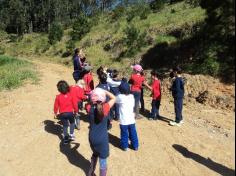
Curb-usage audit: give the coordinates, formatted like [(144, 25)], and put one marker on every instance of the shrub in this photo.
[(134, 40), (117, 13), (2, 50), (80, 28), (55, 33), (157, 5)]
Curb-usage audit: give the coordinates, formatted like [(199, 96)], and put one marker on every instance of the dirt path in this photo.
[(30, 138)]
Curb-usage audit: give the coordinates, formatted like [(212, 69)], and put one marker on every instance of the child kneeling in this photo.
[(127, 117)]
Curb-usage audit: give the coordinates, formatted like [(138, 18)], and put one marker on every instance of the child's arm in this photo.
[(149, 87), (112, 100)]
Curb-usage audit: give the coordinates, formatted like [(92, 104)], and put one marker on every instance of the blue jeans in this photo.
[(155, 108), (67, 119), (128, 132), (178, 102), (137, 96), (115, 113)]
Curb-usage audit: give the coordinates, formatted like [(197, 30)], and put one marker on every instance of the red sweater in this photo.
[(89, 84), (136, 82), (78, 95), (63, 103), (156, 89)]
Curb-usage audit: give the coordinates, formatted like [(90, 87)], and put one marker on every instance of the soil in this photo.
[(31, 145)]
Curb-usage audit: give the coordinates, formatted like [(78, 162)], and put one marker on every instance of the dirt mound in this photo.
[(206, 90)]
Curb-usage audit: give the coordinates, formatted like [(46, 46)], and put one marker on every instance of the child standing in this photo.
[(137, 81), (127, 117), (78, 96), (178, 95), (98, 136), (88, 79), (64, 108), (156, 95)]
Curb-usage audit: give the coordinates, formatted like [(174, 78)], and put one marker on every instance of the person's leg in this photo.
[(177, 103), (133, 136), (124, 137), (117, 113), (158, 103), (71, 119), (93, 165), (180, 109), (154, 110), (137, 96), (103, 166), (142, 100)]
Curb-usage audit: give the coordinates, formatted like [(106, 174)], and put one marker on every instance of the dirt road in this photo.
[(30, 138)]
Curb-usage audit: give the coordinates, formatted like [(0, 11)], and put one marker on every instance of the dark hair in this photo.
[(102, 78), (155, 73), (63, 87), (172, 75), (99, 114), (100, 70), (177, 69), (115, 74)]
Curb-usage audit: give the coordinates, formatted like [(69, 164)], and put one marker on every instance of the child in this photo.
[(104, 85), (78, 96), (66, 108), (114, 84), (88, 79), (136, 81), (127, 117), (156, 95), (178, 95), (98, 136)]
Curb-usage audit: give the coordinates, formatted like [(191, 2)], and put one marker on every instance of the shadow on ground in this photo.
[(219, 168)]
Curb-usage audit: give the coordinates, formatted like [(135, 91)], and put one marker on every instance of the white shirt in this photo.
[(126, 109)]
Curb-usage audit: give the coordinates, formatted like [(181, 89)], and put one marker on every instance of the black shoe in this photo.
[(66, 140)]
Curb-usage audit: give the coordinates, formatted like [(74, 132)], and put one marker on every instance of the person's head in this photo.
[(115, 74), (63, 87), (137, 68), (177, 70), (102, 78), (124, 87), (98, 98), (154, 74), (76, 51), (100, 70)]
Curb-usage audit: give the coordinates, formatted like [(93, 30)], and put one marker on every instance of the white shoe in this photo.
[(172, 123), (72, 137), (181, 122)]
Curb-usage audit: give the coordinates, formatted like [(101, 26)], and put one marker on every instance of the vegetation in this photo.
[(196, 34), (14, 71)]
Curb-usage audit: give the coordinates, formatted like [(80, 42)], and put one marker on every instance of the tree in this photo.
[(55, 33)]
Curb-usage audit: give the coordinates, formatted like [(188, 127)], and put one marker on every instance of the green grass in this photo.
[(157, 25), (14, 72)]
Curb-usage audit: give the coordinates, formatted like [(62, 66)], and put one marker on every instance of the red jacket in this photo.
[(156, 89), (77, 94), (89, 84), (64, 103), (136, 82)]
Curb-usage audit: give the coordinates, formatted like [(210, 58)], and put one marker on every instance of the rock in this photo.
[(202, 97)]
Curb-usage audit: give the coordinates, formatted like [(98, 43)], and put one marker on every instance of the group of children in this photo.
[(111, 99)]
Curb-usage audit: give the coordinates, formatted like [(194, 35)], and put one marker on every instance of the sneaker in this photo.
[(150, 118), (181, 122), (125, 149), (172, 123), (136, 149), (66, 140), (72, 137)]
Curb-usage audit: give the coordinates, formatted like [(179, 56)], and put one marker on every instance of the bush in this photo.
[(80, 28), (140, 10), (134, 40), (55, 33), (157, 5), (117, 13), (70, 46), (2, 50)]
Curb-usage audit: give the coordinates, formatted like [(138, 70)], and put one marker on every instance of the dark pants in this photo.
[(137, 96), (115, 112), (142, 100), (67, 119), (128, 132), (155, 108), (178, 102)]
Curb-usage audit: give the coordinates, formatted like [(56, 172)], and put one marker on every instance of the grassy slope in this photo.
[(157, 25), (13, 72)]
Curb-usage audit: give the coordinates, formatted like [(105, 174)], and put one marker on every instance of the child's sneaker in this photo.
[(125, 149), (136, 149), (66, 140), (181, 122), (172, 123), (72, 137), (150, 118)]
